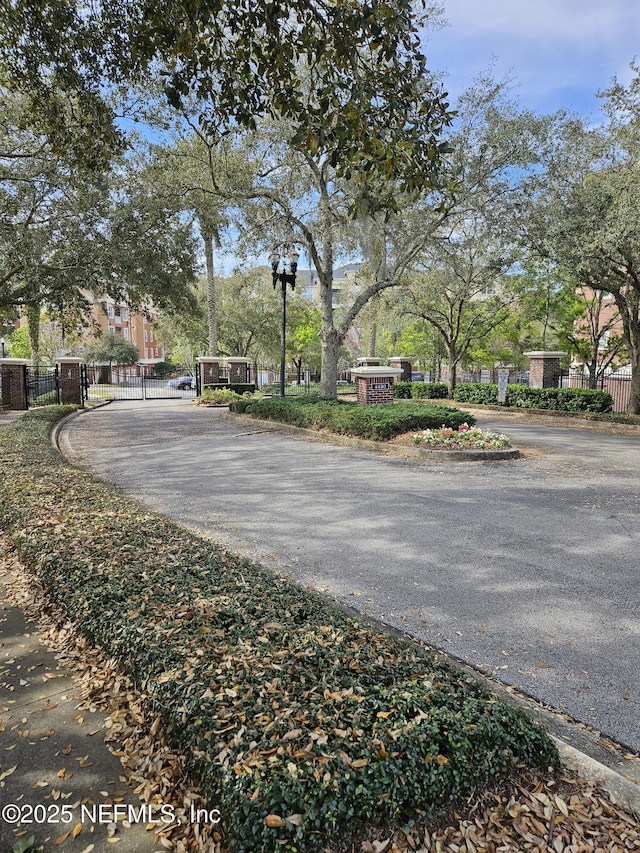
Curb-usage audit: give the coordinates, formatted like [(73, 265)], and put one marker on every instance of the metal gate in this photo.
[(139, 382), (43, 386)]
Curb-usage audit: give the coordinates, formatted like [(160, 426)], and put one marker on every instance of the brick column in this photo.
[(544, 368), (238, 369), (209, 370), (405, 366), (70, 377), (13, 373), (375, 384)]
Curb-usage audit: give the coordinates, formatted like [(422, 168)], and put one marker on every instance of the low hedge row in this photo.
[(297, 718), (521, 396), (378, 422), (421, 390), (236, 387)]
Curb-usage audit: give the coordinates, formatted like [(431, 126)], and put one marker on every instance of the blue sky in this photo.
[(559, 53)]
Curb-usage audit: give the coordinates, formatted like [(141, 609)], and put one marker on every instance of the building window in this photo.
[(110, 310), (146, 335), (125, 313), (146, 353), (125, 332), (112, 330)]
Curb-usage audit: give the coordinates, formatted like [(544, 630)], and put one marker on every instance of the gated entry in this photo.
[(140, 382), (43, 386)]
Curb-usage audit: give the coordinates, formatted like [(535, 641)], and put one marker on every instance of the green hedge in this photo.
[(521, 396), (237, 387), (281, 703), (421, 390), (378, 422)]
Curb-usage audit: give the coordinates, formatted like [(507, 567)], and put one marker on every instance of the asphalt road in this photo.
[(529, 570)]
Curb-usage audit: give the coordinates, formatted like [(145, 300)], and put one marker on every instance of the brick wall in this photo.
[(369, 393)]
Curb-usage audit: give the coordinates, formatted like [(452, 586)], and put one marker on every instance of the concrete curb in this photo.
[(59, 440), (381, 447), (624, 790)]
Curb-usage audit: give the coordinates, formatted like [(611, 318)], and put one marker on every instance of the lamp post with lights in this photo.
[(285, 274)]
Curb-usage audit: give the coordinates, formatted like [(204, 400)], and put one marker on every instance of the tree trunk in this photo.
[(453, 372), (32, 313), (634, 404), (373, 333), (212, 316), (329, 374)]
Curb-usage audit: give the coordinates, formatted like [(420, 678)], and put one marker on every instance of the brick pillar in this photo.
[(70, 377), (209, 370), (238, 369), (13, 376), (405, 366), (544, 368), (375, 384)]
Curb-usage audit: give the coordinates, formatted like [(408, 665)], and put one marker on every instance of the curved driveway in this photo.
[(529, 570)]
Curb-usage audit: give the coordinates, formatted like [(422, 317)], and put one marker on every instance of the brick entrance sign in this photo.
[(544, 368), (375, 384), (238, 369), (209, 370)]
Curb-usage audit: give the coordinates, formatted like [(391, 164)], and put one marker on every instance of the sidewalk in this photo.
[(59, 782)]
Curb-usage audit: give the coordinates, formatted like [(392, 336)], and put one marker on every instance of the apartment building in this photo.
[(116, 318)]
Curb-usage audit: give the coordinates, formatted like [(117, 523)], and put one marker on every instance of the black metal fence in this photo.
[(140, 382), (297, 383), (43, 386), (619, 386)]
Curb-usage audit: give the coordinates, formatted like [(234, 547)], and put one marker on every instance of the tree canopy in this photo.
[(348, 77)]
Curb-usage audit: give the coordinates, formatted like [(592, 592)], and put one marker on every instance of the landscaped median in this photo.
[(379, 422), (301, 722), (402, 428)]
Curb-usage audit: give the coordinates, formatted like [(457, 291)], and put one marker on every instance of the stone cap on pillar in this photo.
[(544, 354), (237, 360), (209, 359), (70, 359), (375, 372), (368, 361), (16, 361)]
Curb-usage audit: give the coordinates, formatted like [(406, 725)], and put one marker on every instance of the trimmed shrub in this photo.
[(478, 393), (379, 422), (237, 387), (429, 390), (420, 390), (521, 396), (217, 396), (402, 390), (282, 704)]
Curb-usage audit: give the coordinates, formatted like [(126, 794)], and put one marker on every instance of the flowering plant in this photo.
[(464, 437)]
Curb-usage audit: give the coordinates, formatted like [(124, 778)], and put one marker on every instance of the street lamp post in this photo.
[(286, 275), (2, 341)]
